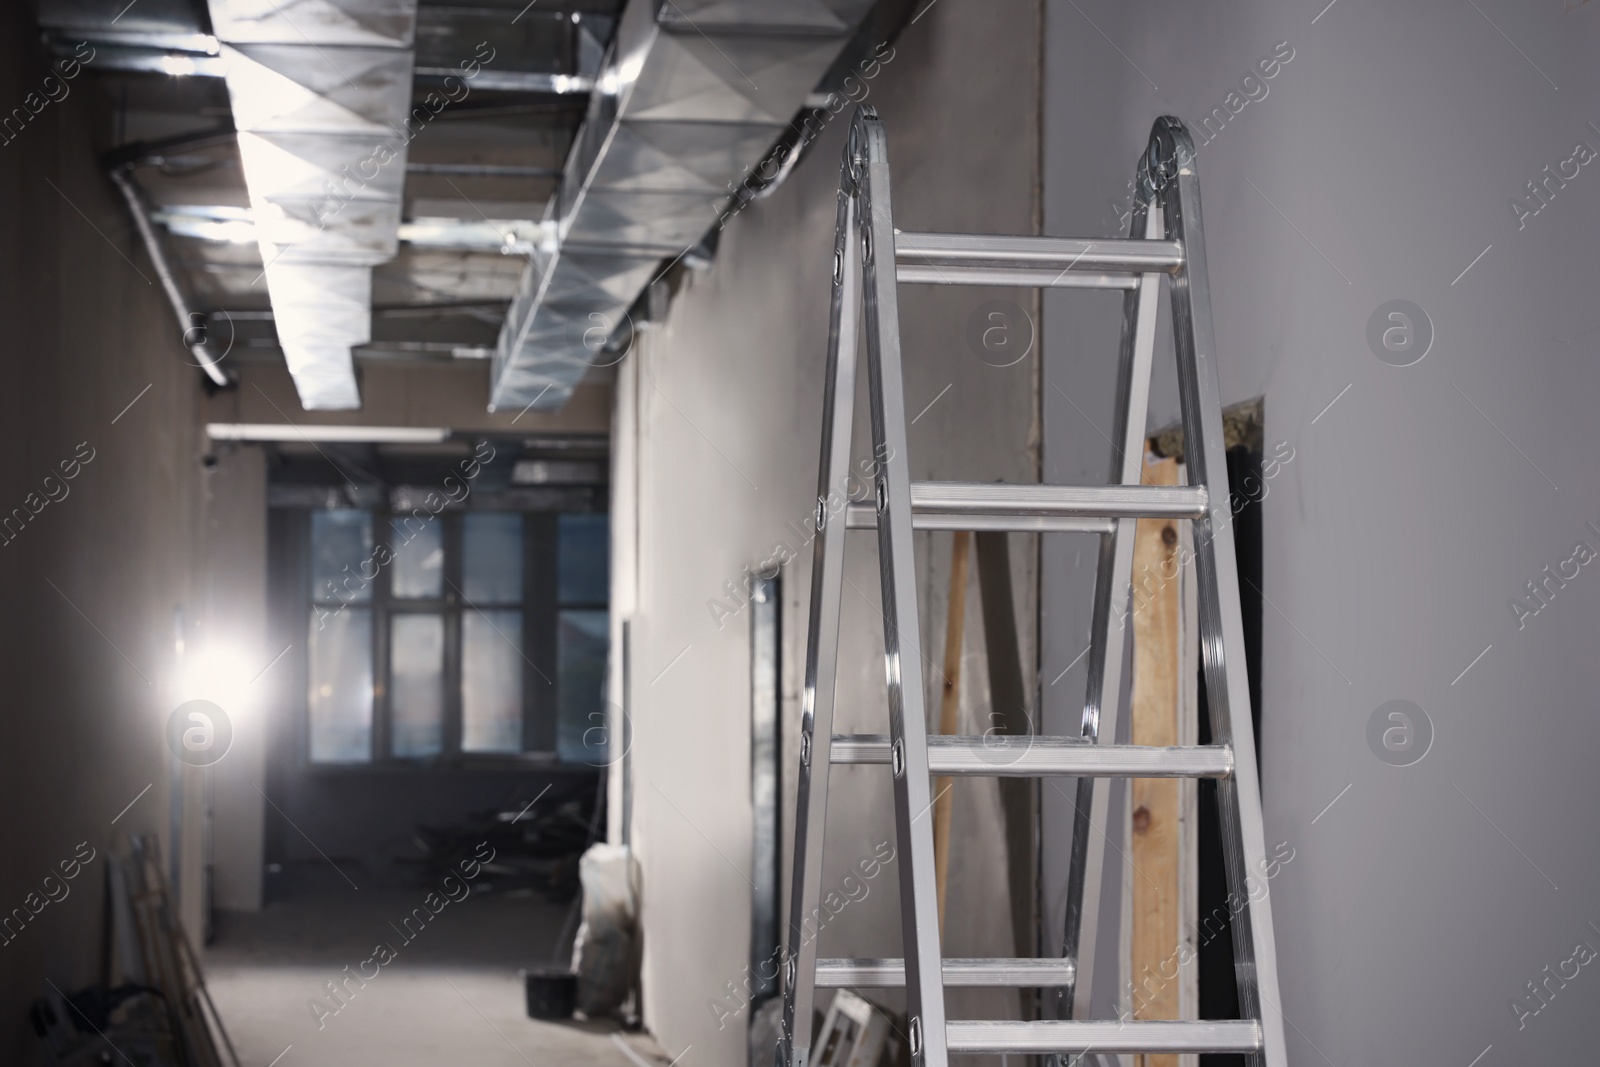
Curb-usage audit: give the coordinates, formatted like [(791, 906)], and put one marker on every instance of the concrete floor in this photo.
[(452, 996)]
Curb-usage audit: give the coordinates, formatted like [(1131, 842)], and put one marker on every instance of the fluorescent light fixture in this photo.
[(375, 435), (177, 66)]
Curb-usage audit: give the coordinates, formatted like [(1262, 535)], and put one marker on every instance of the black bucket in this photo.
[(552, 992)]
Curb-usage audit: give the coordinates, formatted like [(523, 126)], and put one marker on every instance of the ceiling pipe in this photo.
[(482, 170), (188, 318), (155, 153)]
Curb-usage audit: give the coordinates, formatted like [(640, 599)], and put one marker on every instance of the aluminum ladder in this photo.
[(1165, 241)]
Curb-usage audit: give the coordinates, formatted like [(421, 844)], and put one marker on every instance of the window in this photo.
[(582, 632), (464, 635)]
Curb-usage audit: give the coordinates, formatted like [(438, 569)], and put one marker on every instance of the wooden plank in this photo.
[(950, 707), (1156, 803)]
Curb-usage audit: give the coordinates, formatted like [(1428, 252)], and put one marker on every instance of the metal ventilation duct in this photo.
[(692, 93), (320, 92)]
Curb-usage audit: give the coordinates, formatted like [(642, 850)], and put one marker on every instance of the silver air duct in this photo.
[(321, 91), (693, 93)]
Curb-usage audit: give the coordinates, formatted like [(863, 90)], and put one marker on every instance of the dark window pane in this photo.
[(491, 562), (418, 557), (341, 685), (416, 684), (584, 543), (581, 641), (341, 550), (491, 681)]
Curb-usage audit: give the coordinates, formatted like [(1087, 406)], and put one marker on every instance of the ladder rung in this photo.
[(885, 973), (983, 253), (1021, 506), (859, 515), (1033, 756), (912, 274), (1108, 1036)]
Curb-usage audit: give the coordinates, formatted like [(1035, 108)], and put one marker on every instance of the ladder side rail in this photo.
[(822, 634), (1221, 625), (901, 636), (1103, 696)]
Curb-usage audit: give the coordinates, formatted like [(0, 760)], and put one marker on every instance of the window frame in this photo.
[(540, 609)]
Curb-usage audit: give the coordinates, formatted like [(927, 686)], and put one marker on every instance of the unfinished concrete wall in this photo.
[(93, 567), (1386, 160), (722, 418)]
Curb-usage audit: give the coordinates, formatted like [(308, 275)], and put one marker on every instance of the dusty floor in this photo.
[(451, 995)]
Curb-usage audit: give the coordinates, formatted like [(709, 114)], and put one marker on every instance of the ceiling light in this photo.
[(272, 431), (177, 66)]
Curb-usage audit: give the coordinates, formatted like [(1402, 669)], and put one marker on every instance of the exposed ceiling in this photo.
[(338, 181)]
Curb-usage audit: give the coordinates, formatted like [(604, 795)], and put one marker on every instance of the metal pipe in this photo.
[(514, 81), (483, 170), (140, 153), (121, 176)]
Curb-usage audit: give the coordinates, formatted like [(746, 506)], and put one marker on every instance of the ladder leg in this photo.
[(1221, 626), (901, 638), (1102, 701), (822, 636)]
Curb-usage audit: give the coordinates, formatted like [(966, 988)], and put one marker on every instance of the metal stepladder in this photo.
[(1165, 241)]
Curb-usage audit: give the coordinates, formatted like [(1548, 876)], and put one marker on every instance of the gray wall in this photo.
[(1419, 904), (86, 641), (725, 435), (234, 592)]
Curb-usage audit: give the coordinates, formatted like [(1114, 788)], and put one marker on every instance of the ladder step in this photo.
[(888, 973), (1031, 506), (972, 259), (1109, 1036), (912, 274), (860, 515), (1032, 756)]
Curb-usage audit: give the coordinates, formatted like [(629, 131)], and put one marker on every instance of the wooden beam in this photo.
[(1156, 803)]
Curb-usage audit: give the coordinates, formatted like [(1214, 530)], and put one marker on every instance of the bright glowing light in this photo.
[(222, 675), (233, 232), (177, 66)]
